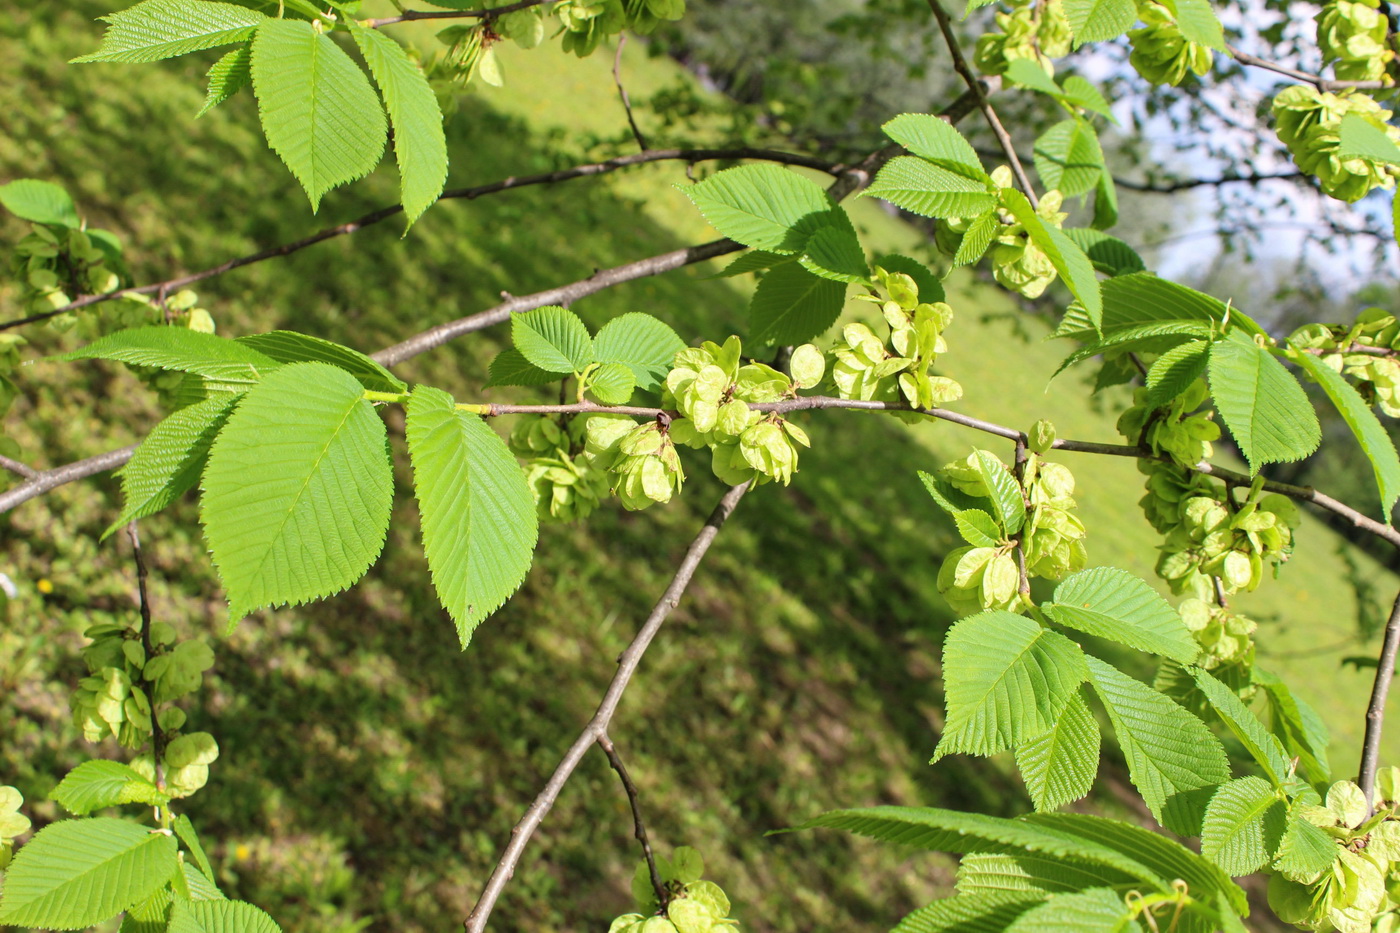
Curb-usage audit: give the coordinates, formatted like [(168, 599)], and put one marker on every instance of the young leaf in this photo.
[(1081, 93), (182, 350), (1305, 849), (1114, 604), (1360, 138), (1068, 259), (949, 498), (791, 305), (1370, 433), (1097, 910), (1059, 766), (763, 206), (478, 515), (930, 190), (1263, 747), (220, 917), (1028, 74), (1176, 370), (977, 528), (96, 785), (1198, 23), (78, 873), (933, 138), (40, 202), (930, 288), (227, 77), (1110, 255), (755, 260), (612, 384), (554, 339), (977, 238), (510, 368), (169, 461), (318, 110), (1006, 680), (1097, 20), (1008, 502), (157, 29), (1262, 404), (834, 252), (642, 343), (298, 489), (197, 886), (184, 829), (1068, 156), (1297, 726), (420, 145), (1022, 874), (966, 914), (287, 346), (1105, 204), (151, 915), (1143, 298), (1243, 826), (1173, 759)]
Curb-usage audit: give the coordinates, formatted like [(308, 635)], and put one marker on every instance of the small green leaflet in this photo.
[(1006, 680), (478, 515), (1173, 759), (1080, 92), (184, 829), (612, 383), (182, 350), (949, 498), (1097, 910), (1068, 259), (420, 144), (977, 238), (287, 346), (158, 29), (1059, 766), (1361, 138), (1106, 204), (151, 915), (1198, 22), (1143, 298), (763, 206), (1176, 370), (1243, 825), (510, 368), (40, 202), (1110, 255), (791, 306), (755, 260), (204, 916), (834, 252), (298, 489), (1097, 20), (1297, 726), (1114, 604), (195, 885), (1028, 74), (554, 339), (1008, 502), (1370, 433), (96, 785), (642, 343), (935, 139), (1068, 156), (1262, 404), (977, 528), (930, 190), (1305, 849), (227, 77), (1262, 746), (318, 110), (168, 463), (79, 873)]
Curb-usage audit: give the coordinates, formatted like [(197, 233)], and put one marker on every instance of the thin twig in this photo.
[(20, 469), (409, 16), (49, 480), (597, 726), (622, 93), (1019, 469), (157, 734), (663, 896), (974, 84), (1317, 81), (1375, 712)]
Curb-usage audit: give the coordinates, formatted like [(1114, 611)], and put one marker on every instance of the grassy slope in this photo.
[(370, 771)]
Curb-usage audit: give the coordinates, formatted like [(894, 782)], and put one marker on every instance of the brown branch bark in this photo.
[(1317, 81), (157, 734), (663, 897), (622, 93), (1375, 711)]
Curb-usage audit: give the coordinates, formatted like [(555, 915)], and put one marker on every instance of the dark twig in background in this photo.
[(622, 93), (663, 897)]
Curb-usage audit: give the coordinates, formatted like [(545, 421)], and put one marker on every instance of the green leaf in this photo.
[(977, 238), (1305, 849), (220, 917), (1059, 766), (182, 350), (763, 206), (298, 489), (964, 915), (612, 384), (1370, 433), (40, 202), (1028, 74), (510, 368), (1173, 759), (1265, 408), (420, 144), (1262, 746), (168, 463), (286, 346), (78, 873), (1198, 22), (1361, 138), (157, 29), (554, 339), (1143, 298), (1106, 205), (930, 288), (1023, 874), (96, 785), (1068, 259), (1068, 157), (184, 829), (791, 306), (930, 190), (151, 915), (1299, 727), (227, 77), (198, 885), (1008, 502), (318, 110), (933, 138), (1110, 255), (1157, 337), (1243, 826), (1079, 91), (1116, 605), (1006, 680), (834, 252), (977, 528), (642, 343), (1097, 20), (1097, 910), (755, 260), (1176, 370), (478, 515), (949, 498)]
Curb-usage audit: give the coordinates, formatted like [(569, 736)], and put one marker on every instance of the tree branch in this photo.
[(1375, 712), (622, 93), (1317, 81), (597, 726), (48, 480), (663, 897), (20, 469), (157, 734)]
